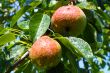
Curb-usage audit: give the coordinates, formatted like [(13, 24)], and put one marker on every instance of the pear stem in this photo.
[(72, 2)]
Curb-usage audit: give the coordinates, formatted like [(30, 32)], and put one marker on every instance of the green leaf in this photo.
[(69, 59), (6, 38), (105, 16), (22, 11), (26, 67), (87, 5), (35, 3), (39, 24), (77, 46), (82, 46), (24, 25), (72, 62), (44, 3), (99, 25), (1, 28), (89, 34), (69, 46), (91, 37), (53, 3), (2, 31), (18, 15), (17, 51)]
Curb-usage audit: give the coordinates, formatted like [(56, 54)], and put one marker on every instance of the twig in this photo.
[(18, 62)]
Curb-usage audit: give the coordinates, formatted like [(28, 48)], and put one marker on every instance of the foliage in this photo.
[(24, 21)]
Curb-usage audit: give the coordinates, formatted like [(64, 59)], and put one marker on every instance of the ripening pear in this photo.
[(45, 52), (68, 20)]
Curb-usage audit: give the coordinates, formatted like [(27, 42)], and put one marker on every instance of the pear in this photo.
[(68, 20), (45, 53)]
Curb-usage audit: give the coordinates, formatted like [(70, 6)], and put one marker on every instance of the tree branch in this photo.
[(18, 62)]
